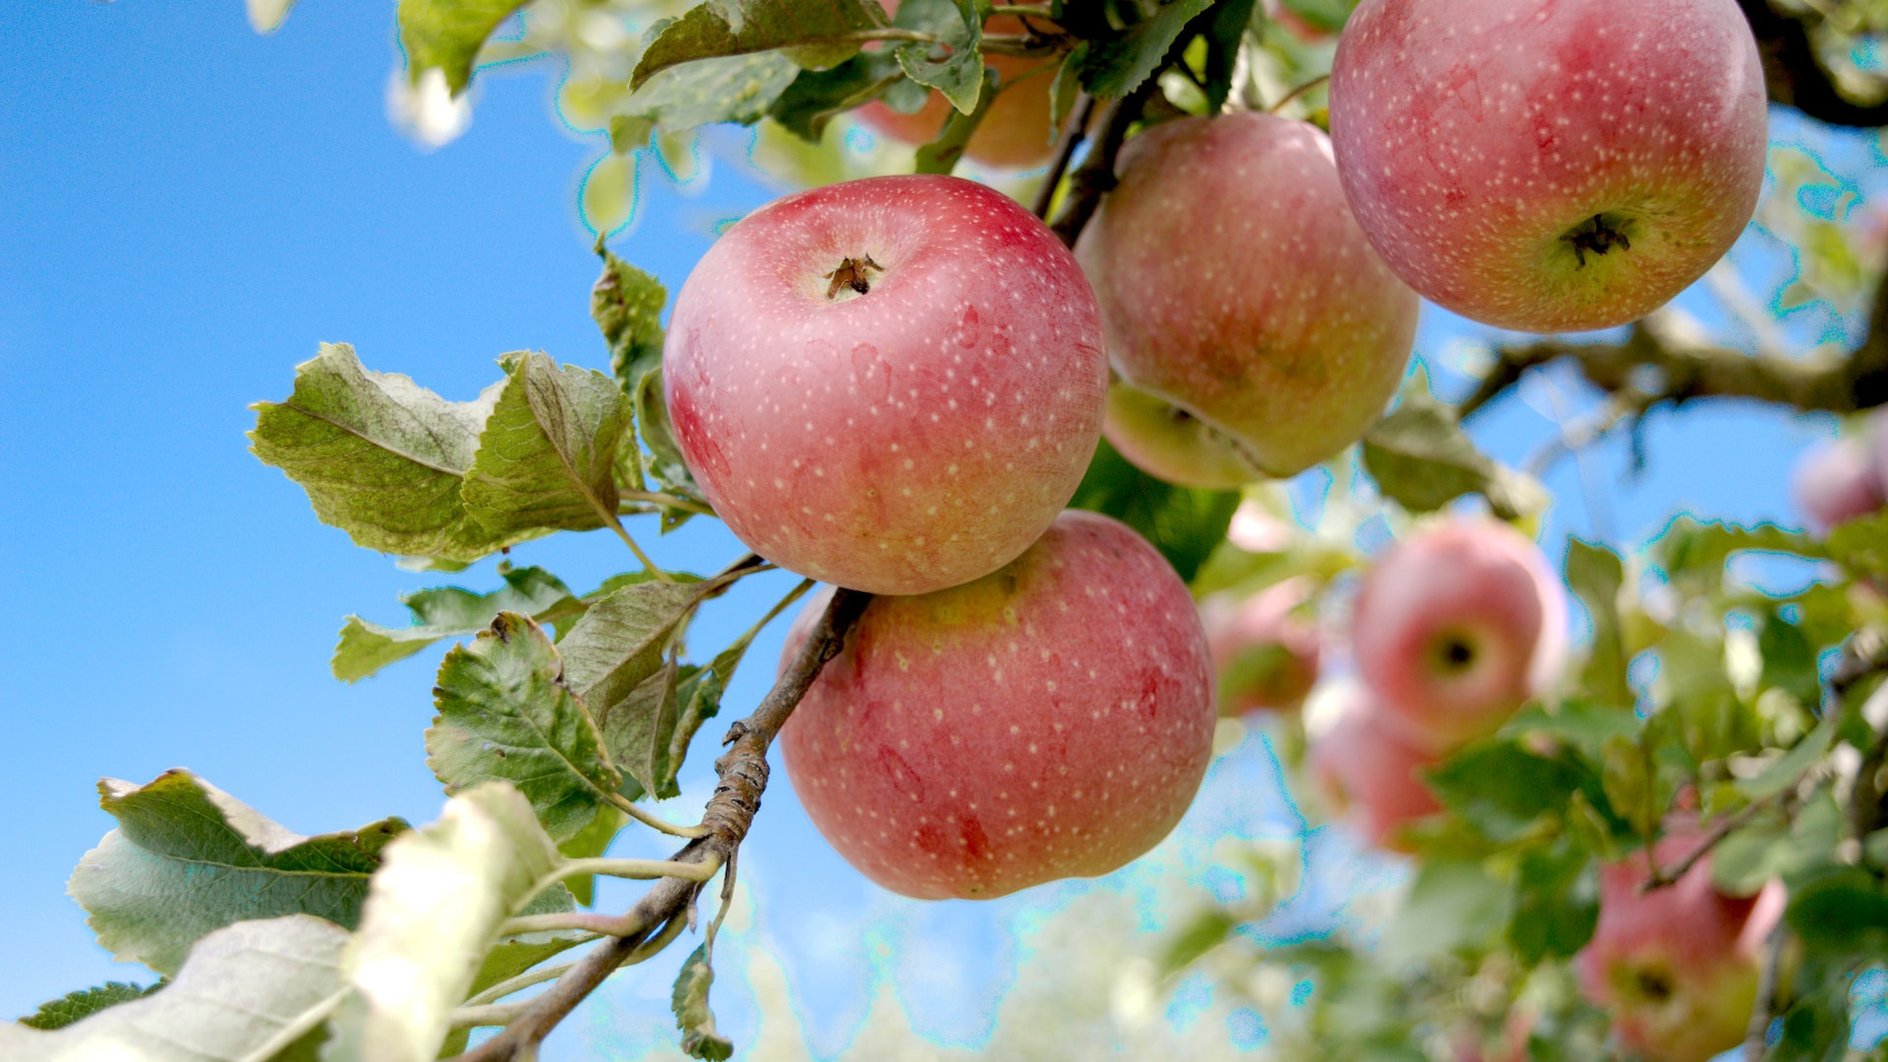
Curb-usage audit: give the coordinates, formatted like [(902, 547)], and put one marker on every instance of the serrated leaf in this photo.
[(1117, 66), (74, 1007), (812, 33), (380, 457), (188, 858), (505, 714), (1861, 546), (737, 88), (955, 67), (437, 904), (816, 96), (446, 612), (1689, 547), (1225, 34), (1423, 460), (1596, 574), (1185, 524), (267, 16), (665, 457), (626, 303), (689, 1001), (447, 34), (547, 457), (248, 991), (638, 730), (619, 643), (941, 155)]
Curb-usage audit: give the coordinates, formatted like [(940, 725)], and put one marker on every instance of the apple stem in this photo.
[(1288, 97), (1096, 176), (1073, 133), (852, 273), (1598, 235)]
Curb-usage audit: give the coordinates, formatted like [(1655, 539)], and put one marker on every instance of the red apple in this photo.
[(1550, 165), (1368, 768), (1458, 625), (1677, 967), (1015, 132), (891, 384), (1241, 302), (1051, 720), (1835, 482), (1265, 652)]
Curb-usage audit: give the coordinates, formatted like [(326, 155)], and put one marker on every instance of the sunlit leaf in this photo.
[(547, 457), (1117, 66), (447, 34), (813, 33), (445, 612), (689, 1001)]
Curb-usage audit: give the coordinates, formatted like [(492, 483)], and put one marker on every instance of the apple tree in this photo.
[(1039, 432)]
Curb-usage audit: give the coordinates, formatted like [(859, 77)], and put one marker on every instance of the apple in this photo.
[(892, 384), (1265, 653), (1299, 27), (1835, 482), (1367, 766), (1676, 967), (1458, 625), (1051, 720), (1550, 165), (1015, 132), (1257, 330)]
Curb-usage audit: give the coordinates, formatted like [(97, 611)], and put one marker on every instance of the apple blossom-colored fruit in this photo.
[(891, 384), (1676, 967), (1264, 650), (1241, 302), (1051, 720), (1838, 481), (1458, 625), (1550, 165), (1015, 132), (1367, 767)]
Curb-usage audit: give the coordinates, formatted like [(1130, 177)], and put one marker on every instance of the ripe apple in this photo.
[(892, 384), (1550, 165), (1015, 132), (1676, 967), (1258, 331), (1051, 720), (1838, 481), (1366, 766), (1458, 625), (1265, 653)]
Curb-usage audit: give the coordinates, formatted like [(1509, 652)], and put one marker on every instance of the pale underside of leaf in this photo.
[(546, 457)]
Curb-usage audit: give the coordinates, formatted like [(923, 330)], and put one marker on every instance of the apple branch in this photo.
[(725, 822), (1095, 177), (1797, 77)]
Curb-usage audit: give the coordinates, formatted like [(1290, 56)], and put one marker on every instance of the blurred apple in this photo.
[(1265, 652), (1835, 482), (1366, 765)]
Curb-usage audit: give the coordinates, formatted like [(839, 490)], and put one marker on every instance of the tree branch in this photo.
[(1072, 137), (1095, 178), (1796, 77), (726, 820)]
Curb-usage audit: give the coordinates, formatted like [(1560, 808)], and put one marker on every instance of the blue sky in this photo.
[(190, 208)]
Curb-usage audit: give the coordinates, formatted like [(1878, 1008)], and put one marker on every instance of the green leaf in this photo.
[(590, 842), (547, 457), (1183, 523), (1504, 790), (638, 730), (626, 304), (515, 955), (445, 612), (1198, 935), (267, 16), (1789, 768), (955, 67), (446, 35), (188, 858), (1225, 33), (248, 991), (1596, 574), (942, 154), (1861, 546), (737, 88), (816, 96), (665, 460), (505, 713), (437, 904), (380, 457), (1423, 460), (1774, 846), (77, 1006), (1688, 547), (1117, 66), (1789, 661), (1583, 725), (1557, 903), (1450, 906), (813, 33), (1327, 15), (689, 1001), (1842, 913)]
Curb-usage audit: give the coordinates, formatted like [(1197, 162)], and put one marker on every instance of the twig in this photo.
[(1796, 77), (1666, 877), (729, 815), (665, 501), (1072, 137), (1297, 92), (1096, 178), (1757, 1033)]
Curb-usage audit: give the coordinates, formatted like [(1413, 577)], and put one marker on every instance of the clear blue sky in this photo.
[(188, 210)]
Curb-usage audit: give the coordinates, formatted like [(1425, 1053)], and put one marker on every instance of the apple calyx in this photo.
[(1598, 235), (853, 273)]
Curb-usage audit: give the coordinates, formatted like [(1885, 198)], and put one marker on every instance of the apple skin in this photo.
[(1051, 720), (1458, 625), (1677, 967), (1476, 137), (914, 437), (1835, 482), (1015, 132), (1265, 654), (1236, 286), (1368, 768)]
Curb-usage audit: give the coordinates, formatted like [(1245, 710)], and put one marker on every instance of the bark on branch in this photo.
[(1795, 75)]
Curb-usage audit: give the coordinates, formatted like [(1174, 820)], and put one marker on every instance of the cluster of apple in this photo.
[(1846, 479)]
